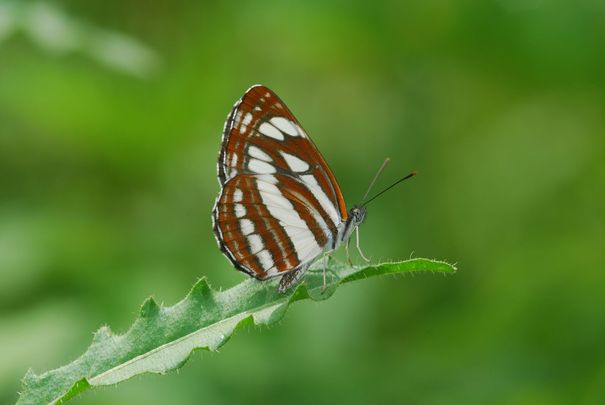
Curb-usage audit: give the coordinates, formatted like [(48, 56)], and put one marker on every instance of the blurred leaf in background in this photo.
[(58, 33), (110, 122)]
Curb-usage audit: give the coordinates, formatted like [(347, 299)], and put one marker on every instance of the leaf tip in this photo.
[(102, 334), (29, 378), (149, 308), (200, 289)]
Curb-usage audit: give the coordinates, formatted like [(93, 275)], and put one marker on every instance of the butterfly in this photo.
[(279, 207)]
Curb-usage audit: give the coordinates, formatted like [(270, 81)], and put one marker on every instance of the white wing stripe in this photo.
[(238, 194), (284, 125), (270, 194), (311, 183), (247, 119), (246, 226), (270, 131), (259, 154), (311, 256), (265, 258), (240, 210), (255, 242), (296, 164), (260, 167)]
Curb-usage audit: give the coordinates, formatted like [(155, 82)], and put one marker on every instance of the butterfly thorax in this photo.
[(356, 217)]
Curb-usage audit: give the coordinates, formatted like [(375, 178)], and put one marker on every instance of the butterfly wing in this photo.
[(280, 204), (262, 136), (265, 225)]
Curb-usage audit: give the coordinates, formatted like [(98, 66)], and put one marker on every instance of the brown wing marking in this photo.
[(258, 105)]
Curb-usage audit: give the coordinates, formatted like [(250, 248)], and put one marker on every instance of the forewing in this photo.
[(262, 136), (266, 226)]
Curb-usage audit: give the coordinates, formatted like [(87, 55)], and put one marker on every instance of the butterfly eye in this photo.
[(359, 214)]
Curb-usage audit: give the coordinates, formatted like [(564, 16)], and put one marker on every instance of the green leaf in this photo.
[(163, 339)]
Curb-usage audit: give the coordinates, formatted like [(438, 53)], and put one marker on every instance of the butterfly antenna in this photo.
[(386, 162), (388, 188)]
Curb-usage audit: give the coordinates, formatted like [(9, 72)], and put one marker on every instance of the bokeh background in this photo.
[(110, 122)]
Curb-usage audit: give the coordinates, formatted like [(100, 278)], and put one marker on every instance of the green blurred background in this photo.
[(110, 122)]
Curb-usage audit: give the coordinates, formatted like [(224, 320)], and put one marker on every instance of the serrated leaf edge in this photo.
[(202, 289)]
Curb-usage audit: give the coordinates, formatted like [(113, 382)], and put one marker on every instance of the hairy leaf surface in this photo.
[(161, 339)]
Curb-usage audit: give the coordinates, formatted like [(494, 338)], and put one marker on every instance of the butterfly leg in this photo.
[(347, 252), (291, 279), (358, 247), (323, 287)]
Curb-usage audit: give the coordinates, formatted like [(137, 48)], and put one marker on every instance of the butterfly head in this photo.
[(357, 215)]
